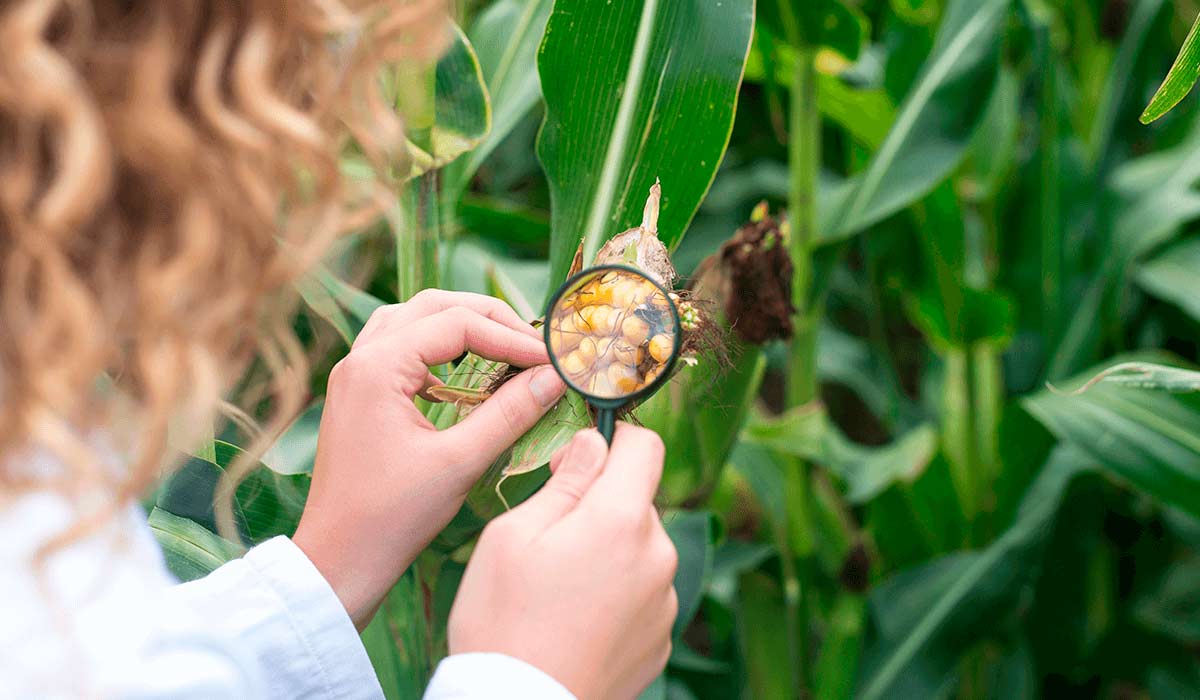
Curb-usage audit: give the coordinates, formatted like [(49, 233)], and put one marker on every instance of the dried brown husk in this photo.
[(750, 280)]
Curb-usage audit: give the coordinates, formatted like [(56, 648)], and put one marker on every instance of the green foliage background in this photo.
[(906, 499)]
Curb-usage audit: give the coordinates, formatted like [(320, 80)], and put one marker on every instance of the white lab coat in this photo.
[(103, 618)]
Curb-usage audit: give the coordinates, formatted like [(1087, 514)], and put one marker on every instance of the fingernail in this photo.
[(546, 385)]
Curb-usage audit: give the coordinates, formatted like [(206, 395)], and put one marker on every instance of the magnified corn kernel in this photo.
[(661, 346), (574, 364), (588, 349), (635, 330), (626, 353), (623, 377)]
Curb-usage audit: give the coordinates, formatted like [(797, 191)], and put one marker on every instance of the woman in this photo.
[(167, 170)]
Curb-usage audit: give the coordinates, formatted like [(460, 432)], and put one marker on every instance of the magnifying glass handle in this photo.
[(606, 422)]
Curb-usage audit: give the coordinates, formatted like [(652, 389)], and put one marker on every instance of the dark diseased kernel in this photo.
[(613, 335)]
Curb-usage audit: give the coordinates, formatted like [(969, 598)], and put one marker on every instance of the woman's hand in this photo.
[(578, 579), (385, 481)]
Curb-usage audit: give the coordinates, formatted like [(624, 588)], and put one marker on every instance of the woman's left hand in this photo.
[(385, 480)]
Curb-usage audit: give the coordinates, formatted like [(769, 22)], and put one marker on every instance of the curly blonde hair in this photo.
[(167, 169)]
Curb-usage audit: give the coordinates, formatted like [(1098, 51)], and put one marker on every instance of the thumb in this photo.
[(577, 467), (508, 414)]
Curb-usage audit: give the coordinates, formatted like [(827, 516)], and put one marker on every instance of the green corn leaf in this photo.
[(1171, 275), (699, 414), (460, 115), (1180, 78), (266, 503), (191, 551), (1171, 606), (296, 450), (635, 91), (695, 536), (866, 471), (934, 126), (924, 617), (503, 222), (345, 307), (506, 37), (1146, 375), (397, 641), (1147, 438), (1120, 74)]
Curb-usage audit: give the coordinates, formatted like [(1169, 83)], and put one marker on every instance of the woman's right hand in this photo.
[(577, 581)]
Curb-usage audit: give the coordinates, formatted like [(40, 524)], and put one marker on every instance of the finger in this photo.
[(581, 462), (494, 425), (430, 301), (631, 473), (445, 335)]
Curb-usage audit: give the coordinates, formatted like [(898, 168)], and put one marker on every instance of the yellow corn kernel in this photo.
[(602, 319), (622, 377), (600, 386), (588, 349), (574, 364), (625, 353), (661, 347), (635, 330)]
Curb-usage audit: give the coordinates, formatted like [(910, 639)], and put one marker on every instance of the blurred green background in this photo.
[(903, 494)]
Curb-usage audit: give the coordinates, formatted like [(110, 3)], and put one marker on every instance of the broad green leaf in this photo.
[(397, 642), (1172, 275), (506, 37), (460, 115), (1180, 78), (925, 617), (1148, 438), (190, 550), (345, 307), (266, 504), (934, 126), (475, 266), (1153, 197), (1146, 375), (1156, 196), (695, 535), (508, 223), (1173, 606), (993, 151), (296, 450), (866, 471), (699, 414), (635, 91), (1120, 74)]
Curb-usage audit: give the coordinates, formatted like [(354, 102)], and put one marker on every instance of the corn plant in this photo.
[(942, 439)]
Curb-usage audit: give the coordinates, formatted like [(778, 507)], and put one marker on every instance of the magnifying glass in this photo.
[(613, 335)]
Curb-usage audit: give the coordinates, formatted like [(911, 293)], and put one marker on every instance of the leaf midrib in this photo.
[(602, 202)]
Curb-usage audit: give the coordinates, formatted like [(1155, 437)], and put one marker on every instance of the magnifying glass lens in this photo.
[(612, 333)]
